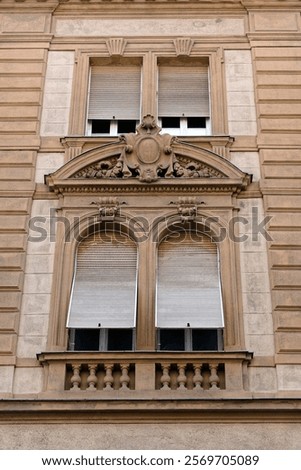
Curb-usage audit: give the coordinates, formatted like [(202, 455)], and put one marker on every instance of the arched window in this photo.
[(189, 303), (102, 310)]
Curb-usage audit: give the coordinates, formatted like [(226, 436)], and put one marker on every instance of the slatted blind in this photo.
[(115, 92), (104, 289), (188, 288), (183, 91)]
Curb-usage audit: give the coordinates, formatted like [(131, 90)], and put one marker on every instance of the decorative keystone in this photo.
[(108, 207), (187, 208), (183, 46), (116, 46)]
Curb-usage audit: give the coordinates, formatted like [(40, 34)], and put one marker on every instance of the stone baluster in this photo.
[(124, 379), (181, 377), (165, 379), (109, 379), (214, 378), (92, 379), (197, 378), (76, 378)]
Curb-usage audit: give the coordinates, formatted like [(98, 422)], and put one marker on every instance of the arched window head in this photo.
[(189, 303), (102, 310)]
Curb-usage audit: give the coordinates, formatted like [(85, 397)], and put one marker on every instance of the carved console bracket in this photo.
[(187, 208), (108, 207)]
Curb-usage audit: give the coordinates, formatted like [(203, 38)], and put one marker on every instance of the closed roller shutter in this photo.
[(183, 91), (188, 283), (115, 92), (104, 289)]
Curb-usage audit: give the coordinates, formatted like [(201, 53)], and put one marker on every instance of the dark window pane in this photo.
[(86, 340), (120, 339), (125, 127), (196, 122), (170, 122), (172, 340), (204, 340), (101, 126)]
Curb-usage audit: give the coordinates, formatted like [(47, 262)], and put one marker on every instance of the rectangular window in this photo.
[(117, 339), (183, 97), (189, 304), (188, 287), (104, 285), (114, 97), (190, 339), (102, 310)]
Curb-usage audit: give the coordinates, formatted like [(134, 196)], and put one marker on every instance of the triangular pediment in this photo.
[(147, 159)]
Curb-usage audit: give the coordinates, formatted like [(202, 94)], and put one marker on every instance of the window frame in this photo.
[(192, 229), (149, 57), (98, 236), (146, 276), (188, 339), (113, 123), (103, 339), (103, 331), (184, 129), (153, 285)]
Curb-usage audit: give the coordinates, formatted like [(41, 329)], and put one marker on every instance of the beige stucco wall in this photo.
[(240, 92), (149, 27), (151, 436), (57, 93)]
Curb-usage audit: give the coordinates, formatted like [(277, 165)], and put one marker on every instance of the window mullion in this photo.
[(71, 345), (113, 127), (188, 339), (103, 339), (149, 85), (183, 125), (145, 330)]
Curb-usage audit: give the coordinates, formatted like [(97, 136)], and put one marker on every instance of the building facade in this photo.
[(150, 224)]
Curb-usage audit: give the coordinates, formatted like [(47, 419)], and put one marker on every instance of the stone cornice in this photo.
[(131, 411), (270, 4), (89, 6), (126, 187)]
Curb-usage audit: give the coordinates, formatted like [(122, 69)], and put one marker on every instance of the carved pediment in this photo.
[(148, 156), (145, 158)]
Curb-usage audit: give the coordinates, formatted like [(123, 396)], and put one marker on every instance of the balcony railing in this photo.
[(157, 372)]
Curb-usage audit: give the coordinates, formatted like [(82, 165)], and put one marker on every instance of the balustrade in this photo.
[(106, 376), (136, 372), (189, 376), (183, 376)]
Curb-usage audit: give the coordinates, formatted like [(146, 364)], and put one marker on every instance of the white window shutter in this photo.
[(104, 288), (115, 92), (183, 91), (188, 289)]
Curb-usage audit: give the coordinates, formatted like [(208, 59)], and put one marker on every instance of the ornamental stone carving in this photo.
[(148, 156), (187, 208), (108, 207), (183, 46), (109, 168), (116, 46)]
